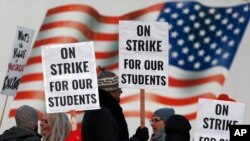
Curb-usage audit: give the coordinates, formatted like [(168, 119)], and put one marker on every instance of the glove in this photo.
[(142, 133)]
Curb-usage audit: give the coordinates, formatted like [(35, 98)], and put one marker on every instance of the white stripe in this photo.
[(36, 86), (182, 74), (37, 104)]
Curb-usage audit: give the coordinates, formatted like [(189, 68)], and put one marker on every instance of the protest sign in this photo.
[(214, 118), (17, 61), (143, 55), (70, 79)]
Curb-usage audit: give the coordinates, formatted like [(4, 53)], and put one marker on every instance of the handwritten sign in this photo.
[(70, 77), (143, 55), (17, 61)]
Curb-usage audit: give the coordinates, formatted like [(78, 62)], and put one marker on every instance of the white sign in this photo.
[(17, 61), (70, 77), (143, 55), (214, 118)]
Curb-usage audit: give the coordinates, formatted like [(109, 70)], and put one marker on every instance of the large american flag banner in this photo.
[(203, 44)]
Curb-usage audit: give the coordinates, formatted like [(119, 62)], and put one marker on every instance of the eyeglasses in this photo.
[(155, 120)]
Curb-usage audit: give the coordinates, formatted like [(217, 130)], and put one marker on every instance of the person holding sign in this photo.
[(177, 128), (27, 124), (55, 127), (108, 123), (157, 122)]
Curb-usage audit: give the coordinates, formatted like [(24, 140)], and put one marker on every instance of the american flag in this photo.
[(203, 41)]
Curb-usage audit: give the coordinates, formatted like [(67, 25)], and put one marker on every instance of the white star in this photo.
[(191, 37), (167, 10), (162, 20), (202, 32), (197, 45), (212, 28), (180, 5), (224, 21), (235, 15), (170, 26), (214, 62), (207, 58), (211, 11), (186, 29), (180, 42), (175, 54), (201, 52), (196, 25), (219, 33), (185, 50), (241, 20), (218, 51), (201, 14), (174, 34), (174, 15), (229, 10), (225, 55), (180, 22), (224, 38), (197, 65), (246, 8), (192, 17), (186, 11), (237, 31), (207, 21), (231, 43), (230, 26), (190, 58), (181, 62), (207, 40), (197, 7), (213, 46), (217, 16)]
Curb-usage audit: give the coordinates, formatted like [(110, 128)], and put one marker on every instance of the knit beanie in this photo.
[(164, 113), (107, 80), (26, 116)]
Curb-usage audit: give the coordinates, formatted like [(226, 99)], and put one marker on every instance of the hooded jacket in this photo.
[(19, 134), (107, 123)]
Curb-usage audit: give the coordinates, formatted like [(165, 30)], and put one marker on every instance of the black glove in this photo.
[(142, 133)]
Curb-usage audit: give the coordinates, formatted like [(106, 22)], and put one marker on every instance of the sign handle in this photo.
[(73, 120), (5, 103), (142, 107)]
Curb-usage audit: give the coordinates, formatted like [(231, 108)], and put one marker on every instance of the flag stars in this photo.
[(170, 26), (181, 62), (185, 50), (186, 29), (197, 65), (174, 16), (237, 31), (192, 17), (202, 33), (175, 54), (214, 62), (201, 53), (180, 5), (191, 58), (180, 42), (229, 10), (174, 34), (217, 16), (197, 45), (213, 46), (224, 38), (224, 21), (207, 40), (191, 37), (218, 51), (197, 7), (197, 25), (230, 26), (180, 22), (231, 43), (241, 20), (207, 58), (186, 11), (207, 21), (212, 28), (246, 8), (162, 19), (202, 14), (167, 10), (218, 33), (225, 55), (211, 11), (235, 15)]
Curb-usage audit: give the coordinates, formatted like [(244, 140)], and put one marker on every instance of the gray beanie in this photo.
[(164, 113), (107, 80), (26, 116)]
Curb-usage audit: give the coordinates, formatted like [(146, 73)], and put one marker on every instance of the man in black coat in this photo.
[(108, 123)]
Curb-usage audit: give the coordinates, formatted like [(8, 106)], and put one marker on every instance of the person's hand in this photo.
[(142, 133)]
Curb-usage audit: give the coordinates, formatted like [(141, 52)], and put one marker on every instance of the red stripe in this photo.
[(101, 18), (166, 100), (34, 60), (86, 32), (174, 82), (54, 40), (24, 95)]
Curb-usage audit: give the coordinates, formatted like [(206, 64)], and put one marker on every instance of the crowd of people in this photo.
[(105, 124)]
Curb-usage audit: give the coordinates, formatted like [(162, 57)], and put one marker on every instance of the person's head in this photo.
[(55, 126), (27, 117), (108, 81), (177, 128), (159, 118)]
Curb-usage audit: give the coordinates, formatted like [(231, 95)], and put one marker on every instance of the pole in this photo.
[(5, 103), (142, 107)]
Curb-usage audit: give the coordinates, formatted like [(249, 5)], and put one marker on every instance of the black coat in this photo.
[(107, 123), (19, 134)]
